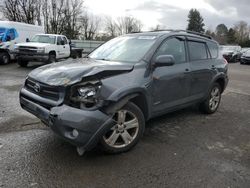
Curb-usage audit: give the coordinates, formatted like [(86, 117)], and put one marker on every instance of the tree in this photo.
[(241, 32), (62, 17), (110, 27), (20, 10), (221, 33), (231, 39), (195, 21), (158, 27), (128, 24), (90, 25), (210, 33), (58, 16), (72, 13)]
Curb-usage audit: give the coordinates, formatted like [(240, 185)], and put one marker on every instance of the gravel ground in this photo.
[(181, 149)]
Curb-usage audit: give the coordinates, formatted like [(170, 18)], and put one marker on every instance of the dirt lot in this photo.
[(181, 149)]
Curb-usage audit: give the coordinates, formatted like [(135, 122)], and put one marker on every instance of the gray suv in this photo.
[(106, 98)]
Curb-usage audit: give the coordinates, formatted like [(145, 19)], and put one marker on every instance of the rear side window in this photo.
[(213, 48), (174, 47), (197, 50)]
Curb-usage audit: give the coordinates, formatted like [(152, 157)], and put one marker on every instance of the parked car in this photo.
[(245, 58), (46, 48), (12, 33), (107, 97), (231, 53), (243, 50)]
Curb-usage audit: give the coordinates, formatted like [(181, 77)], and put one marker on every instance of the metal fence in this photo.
[(87, 45)]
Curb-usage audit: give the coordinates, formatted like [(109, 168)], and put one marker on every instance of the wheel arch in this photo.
[(5, 50), (137, 96), (52, 52)]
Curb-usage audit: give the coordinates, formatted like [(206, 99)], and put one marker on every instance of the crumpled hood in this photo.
[(33, 44), (72, 71)]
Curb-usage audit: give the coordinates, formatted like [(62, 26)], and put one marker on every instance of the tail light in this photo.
[(225, 61)]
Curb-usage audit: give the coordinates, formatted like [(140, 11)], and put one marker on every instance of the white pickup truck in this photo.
[(46, 48)]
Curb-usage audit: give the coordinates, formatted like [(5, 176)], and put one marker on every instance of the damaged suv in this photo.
[(107, 97)]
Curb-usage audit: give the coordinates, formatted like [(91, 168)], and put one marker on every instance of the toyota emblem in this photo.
[(37, 88)]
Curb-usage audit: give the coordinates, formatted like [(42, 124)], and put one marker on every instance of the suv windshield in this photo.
[(126, 49), (44, 39)]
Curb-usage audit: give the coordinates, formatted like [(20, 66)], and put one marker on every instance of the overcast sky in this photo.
[(173, 13)]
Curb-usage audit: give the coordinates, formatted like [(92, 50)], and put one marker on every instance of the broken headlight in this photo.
[(86, 95)]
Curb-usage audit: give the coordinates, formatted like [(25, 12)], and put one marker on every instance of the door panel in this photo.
[(171, 84), (201, 69), (66, 47), (60, 49)]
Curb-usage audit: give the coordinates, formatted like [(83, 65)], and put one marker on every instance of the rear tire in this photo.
[(211, 104), (127, 132), (4, 58), (22, 63)]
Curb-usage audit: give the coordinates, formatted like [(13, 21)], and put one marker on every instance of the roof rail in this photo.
[(186, 31), (195, 33)]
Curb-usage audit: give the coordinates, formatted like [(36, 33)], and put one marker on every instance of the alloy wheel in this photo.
[(214, 98), (124, 132)]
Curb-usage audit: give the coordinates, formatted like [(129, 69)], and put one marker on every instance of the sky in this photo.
[(173, 13)]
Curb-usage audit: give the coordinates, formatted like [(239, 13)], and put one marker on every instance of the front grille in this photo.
[(43, 90), (28, 49)]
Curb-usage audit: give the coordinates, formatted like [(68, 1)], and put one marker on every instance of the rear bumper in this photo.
[(245, 60), (79, 127)]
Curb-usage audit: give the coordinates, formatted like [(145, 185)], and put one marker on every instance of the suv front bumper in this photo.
[(79, 127)]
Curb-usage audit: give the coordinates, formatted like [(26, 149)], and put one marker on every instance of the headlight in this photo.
[(40, 50), (86, 95), (16, 49), (87, 92)]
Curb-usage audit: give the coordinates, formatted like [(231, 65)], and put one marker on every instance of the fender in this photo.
[(218, 76), (119, 98), (118, 94)]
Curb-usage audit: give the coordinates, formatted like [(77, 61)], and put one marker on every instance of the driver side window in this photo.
[(175, 47), (59, 40)]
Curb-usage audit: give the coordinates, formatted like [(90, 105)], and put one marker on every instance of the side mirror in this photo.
[(70, 42), (27, 40), (164, 60)]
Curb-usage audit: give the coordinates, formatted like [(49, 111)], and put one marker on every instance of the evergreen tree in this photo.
[(195, 21), (221, 33), (231, 38)]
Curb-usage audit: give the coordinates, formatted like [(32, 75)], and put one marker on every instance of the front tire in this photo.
[(52, 58), (4, 58), (22, 63), (127, 132), (211, 104)]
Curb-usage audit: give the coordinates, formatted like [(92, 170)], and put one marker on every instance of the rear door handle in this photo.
[(187, 70)]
